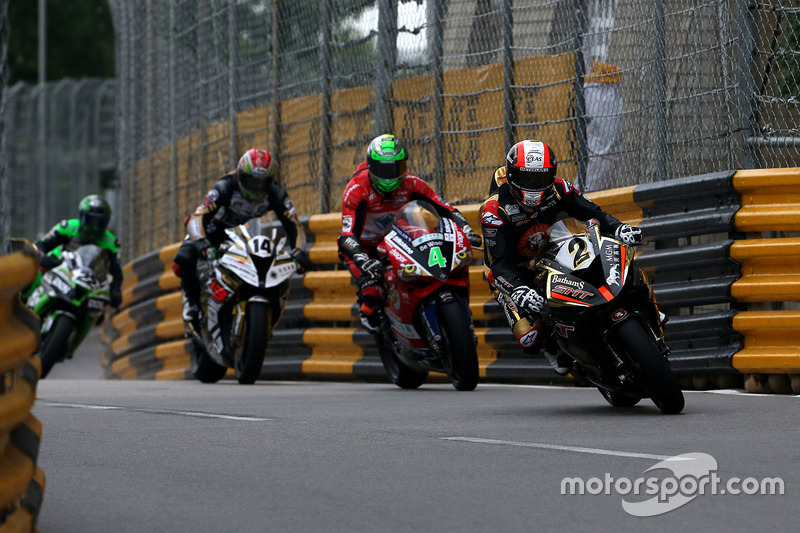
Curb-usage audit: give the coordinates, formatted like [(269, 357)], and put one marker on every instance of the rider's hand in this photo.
[(473, 238), (205, 249), (629, 234), (49, 261), (527, 300), (302, 260), (371, 273)]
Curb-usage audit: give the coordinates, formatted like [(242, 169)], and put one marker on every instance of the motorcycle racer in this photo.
[(379, 188), (247, 193), (91, 227), (525, 199)]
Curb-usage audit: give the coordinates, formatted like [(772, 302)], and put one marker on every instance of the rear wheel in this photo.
[(55, 344), (257, 326), (463, 357), (399, 373), (202, 366), (619, 399), (664, 388)]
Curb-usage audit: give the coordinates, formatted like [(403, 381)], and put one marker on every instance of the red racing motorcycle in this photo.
[(426, 324)]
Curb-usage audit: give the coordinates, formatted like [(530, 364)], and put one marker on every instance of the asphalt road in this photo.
[(313, 456)]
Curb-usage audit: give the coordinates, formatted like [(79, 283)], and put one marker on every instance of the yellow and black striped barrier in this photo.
[(711, 268), (22, 482)]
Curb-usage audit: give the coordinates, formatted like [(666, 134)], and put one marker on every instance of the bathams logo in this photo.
[(671, 484)]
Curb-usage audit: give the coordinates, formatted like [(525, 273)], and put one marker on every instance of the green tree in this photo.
[(80, 40)]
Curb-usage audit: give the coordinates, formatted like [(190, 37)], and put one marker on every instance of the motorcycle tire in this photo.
[(256, 332), (398, 372), (54, 347), (665, 391), (463, 356), (202, 366), (619, 399)]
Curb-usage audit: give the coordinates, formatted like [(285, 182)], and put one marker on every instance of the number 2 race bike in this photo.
[(70, 299), (426, 324), (244, 292), (603, 315)]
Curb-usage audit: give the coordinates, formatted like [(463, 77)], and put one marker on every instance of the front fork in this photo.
[(430, 319)]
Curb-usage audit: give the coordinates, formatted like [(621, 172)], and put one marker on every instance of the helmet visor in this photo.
[(254, 187), (387, 175), (94, 224), (534, 180)]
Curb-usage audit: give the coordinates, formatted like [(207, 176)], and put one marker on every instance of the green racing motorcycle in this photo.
[(71, 298)]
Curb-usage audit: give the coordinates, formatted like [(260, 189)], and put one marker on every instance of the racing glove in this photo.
[(48, 261), (371, 273), (527, 300), (302, 260), (206, 249), (628, 234), (474, 238)]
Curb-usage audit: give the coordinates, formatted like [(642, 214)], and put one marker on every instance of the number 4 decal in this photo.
[(436, 258)]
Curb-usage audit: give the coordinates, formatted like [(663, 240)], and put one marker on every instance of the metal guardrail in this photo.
[(703, 270), (22, 482)]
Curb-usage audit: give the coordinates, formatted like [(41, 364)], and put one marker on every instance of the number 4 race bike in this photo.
[(426, 324), (245, 290), (604, 316), (71, 298)]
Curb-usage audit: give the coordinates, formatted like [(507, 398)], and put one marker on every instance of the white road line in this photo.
[(193, 414), (577, 449)]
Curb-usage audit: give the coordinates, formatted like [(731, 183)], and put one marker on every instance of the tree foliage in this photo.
[(80, 39)]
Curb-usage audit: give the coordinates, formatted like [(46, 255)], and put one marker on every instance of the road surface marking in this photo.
[(559, 447), (194, 414)]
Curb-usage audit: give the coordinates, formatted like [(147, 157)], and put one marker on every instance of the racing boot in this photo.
[(370, 319), (561, 362), (191, 307)]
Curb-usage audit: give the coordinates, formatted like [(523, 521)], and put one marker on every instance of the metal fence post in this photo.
[(233, 61), (276, 82), (173, 128), (385, 65), (508, 75), (5, 217), (42, 115), (325, 66), (660, 79), (581, 142), (748, 65), (435, 15)]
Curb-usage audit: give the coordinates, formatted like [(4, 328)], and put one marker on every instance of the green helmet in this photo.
[(94, 216), (386, 160)]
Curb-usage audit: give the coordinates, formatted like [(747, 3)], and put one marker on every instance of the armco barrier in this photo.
[(710, 267), (21, 481)]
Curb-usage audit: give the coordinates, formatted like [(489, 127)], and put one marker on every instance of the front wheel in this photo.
[(398, 372), (257, 326), (56, 343), (463, 356), (664, 388)]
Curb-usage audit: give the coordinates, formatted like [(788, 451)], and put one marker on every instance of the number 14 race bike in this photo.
[(426, 324)]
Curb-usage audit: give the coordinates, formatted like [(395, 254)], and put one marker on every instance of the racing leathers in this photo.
[(226, 207), (367, 217), (66, 235), (513, 236)]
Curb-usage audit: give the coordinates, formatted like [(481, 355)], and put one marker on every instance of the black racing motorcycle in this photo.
[(603, 315)]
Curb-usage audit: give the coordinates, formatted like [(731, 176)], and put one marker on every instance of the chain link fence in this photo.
[(624, 91), (45, 182)]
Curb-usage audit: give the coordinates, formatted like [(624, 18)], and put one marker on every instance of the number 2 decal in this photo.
[(577, 248), (436, 258)]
